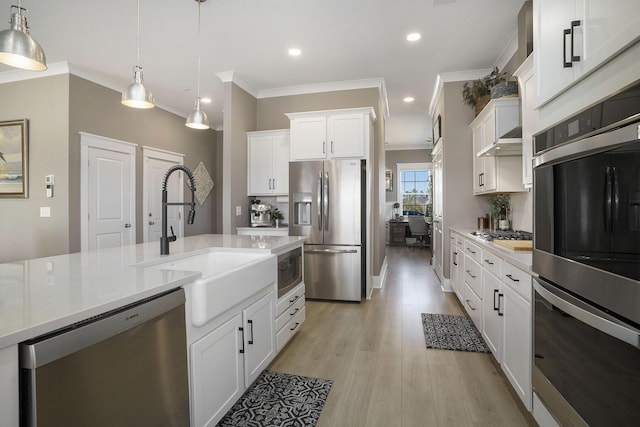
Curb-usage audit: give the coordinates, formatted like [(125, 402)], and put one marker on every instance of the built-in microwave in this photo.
[(289, 271)]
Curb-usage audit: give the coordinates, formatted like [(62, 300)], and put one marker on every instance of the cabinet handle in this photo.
[(295, 297), (151, 222), (496, 307), (455, 258), (471, 250), (250, 322), (331, 147), (294, 312), (488, 262), (469, 273), (511, 277), (470, 306), (274, 184), (565, 33), (574, 24), (324, 147), (295, 326), (127, 225), (500, 299), (242, 340)]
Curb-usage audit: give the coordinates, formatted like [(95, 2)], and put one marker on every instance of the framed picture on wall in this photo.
[(14, 159), (437, 129)]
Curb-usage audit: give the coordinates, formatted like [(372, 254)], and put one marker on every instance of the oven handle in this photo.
[(587, 314), (331, 251)]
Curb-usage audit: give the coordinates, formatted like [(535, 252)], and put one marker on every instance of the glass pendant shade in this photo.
[(137, 95), (198, 118), (17, 48)]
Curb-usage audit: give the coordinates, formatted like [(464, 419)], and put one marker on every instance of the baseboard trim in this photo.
[(378, 281)]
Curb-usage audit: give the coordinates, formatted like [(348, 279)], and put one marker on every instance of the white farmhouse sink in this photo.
[(228, 278)]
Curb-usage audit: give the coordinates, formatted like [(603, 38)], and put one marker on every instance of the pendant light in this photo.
[(198, 118), (137, 95), (17, 48)]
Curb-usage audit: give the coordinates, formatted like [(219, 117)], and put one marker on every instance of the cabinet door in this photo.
[(492, 312), (490, 171), (309, 138), (280, 183), (516, 362), (478, 164), (217, 375), (346, 135), (259, 337), (527, 84), (260, 165), (456, 259), (551, 18)]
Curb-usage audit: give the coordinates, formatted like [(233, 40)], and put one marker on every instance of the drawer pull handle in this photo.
[(471, 250), (295, 326), (295, 297), (250, 322), (500, 297), (242, 340), (294, 312), (496, 307), (470, 306), (469, 273), (511, 277), (488, 262)]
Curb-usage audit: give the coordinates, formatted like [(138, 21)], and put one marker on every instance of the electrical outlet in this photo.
[(45, 212), (238, 210)]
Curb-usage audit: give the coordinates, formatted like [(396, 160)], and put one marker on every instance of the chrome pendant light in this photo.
[(198, 118), (17, 48), (137, 95)]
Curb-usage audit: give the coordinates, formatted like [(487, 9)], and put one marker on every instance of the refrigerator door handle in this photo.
[(608, 200), (319, 201), (325, 196), (331, 251)]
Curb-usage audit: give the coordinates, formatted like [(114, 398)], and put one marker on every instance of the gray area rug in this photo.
[(452, 332), (277, 399)]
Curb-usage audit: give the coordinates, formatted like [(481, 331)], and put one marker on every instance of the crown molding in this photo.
[(232, 76), (453, 76), (507, 53)]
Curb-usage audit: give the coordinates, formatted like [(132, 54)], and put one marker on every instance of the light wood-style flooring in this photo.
[(383, 374)]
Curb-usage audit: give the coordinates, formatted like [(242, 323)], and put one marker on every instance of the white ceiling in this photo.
[(341, 40)]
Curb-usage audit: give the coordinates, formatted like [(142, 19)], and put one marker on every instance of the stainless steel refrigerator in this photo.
[(327, 205)]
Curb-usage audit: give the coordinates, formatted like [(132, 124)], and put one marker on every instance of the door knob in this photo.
[(127, 226)]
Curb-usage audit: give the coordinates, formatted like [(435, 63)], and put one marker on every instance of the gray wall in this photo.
[(45, 102), (58, 108), (96, 109), (271, 115), (240, 118), (393, 157)]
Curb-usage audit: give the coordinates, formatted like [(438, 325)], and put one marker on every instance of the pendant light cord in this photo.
[(199, 4), (138, 37)]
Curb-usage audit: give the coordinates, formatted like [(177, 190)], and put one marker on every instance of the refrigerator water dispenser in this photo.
[(302, 208)]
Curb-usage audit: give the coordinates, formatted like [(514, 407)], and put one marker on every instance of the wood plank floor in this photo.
[(383, 374)]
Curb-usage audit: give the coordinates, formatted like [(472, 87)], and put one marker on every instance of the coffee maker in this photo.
[(260, 214)]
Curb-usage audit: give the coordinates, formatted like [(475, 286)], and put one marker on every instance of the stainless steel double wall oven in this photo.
[(587, 255)]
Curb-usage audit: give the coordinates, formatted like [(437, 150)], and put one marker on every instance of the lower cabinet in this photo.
[(228, 359), (290, 315), (492, 325)]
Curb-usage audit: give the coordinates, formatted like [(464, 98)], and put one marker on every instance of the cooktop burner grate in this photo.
[(503, 235)]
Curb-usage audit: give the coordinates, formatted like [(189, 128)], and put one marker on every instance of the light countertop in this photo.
[(519, 259), (41, 295)]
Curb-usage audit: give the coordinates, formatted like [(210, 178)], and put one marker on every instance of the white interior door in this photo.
[(155, 166), (107, 192)]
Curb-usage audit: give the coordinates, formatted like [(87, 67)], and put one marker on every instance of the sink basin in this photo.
[(228, 278)]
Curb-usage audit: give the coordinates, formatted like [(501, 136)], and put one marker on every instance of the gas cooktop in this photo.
[(503, 235)]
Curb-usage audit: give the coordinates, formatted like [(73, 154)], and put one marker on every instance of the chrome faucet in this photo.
[(164, 240)]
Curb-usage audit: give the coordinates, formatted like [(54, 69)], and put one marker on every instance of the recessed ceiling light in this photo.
[(409, 99), (412, 37), (205, 100), (295, 52)]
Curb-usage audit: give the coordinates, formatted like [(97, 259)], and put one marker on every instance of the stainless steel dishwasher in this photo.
[(127, 367)]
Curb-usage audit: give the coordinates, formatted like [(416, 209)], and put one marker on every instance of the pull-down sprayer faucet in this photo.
[(164, 240)]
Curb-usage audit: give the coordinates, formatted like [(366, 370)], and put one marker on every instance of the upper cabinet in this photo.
[(574, 37), (497, 164), (527, 83), (268, 163), (331, 134)]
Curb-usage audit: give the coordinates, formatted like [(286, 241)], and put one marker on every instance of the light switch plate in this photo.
[(238, 210), (45, 212)]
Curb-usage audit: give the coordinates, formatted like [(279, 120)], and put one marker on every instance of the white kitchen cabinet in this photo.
[(473, 305), (496, 173), (517, 334), (268, 163), (228, 358), (457, 266), (331, 134), (259, 337), (594, 31), (527, 86), (290, 315), (492, 323)]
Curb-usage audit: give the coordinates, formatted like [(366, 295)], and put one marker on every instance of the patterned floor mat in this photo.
[(452, 332)]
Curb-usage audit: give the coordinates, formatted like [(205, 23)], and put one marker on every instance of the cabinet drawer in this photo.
[(473, 305), (491, 262), (289, 298), (472, 275), (473, 251), (517, 280), (285, 317), (285, 334)]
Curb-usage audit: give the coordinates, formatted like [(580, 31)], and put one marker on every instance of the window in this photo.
[(414, 188)]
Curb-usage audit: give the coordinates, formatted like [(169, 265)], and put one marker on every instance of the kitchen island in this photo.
[(42, 295)]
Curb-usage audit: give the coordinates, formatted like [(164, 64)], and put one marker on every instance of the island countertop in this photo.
[(41, 295)]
